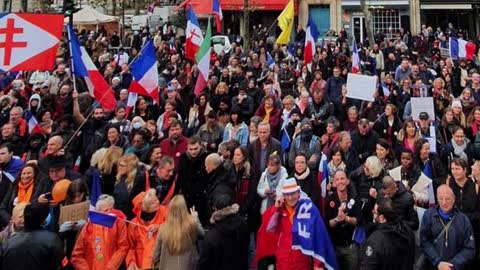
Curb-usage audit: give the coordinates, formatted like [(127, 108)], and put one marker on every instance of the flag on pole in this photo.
[(217, 10), (310, 39), (427, 170), (355, 58), (132, 99), (203, 60), (145, 73), (322, 179), (33, 126), (285, 140), (285, 22), (270, 61), (95, 190), (194, 36), (29, 42), (83, 67), (460, 48), (102, 219)]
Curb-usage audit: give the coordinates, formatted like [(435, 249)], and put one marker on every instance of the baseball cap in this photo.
[(423, 116)]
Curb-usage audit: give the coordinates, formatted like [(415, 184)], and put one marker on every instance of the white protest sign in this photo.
[(361, 86), (422, 104)]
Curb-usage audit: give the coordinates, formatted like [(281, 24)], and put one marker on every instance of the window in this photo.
[(386, 21), (6, 5)]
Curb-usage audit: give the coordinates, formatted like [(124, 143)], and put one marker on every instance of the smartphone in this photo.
[(48, 196)]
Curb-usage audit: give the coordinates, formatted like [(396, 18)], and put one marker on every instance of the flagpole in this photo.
[(72, 66), (95, 105)]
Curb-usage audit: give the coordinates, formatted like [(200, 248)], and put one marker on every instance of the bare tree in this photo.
[(114, 7), (246, 26), (368, 22)]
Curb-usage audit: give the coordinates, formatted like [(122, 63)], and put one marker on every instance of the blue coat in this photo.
[(459, 247)]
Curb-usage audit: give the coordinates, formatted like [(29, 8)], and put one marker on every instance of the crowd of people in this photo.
[(220, 180)]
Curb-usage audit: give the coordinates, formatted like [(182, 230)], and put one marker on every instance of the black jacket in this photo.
[(460, 247), (32, 250), (221, 181), (403, 202), (255, 152), (389, 247), (309, 185), (7, 205), (226, 245), (364, 145), (192, 182)]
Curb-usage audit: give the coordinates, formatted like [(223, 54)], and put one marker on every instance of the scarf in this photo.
[(24, 192), (475, 125), (459, 150), (166, 121), (267, 115), (273, 179), (332, 169), (303, 175)]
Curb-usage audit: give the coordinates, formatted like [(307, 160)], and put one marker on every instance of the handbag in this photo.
[(420, 262)]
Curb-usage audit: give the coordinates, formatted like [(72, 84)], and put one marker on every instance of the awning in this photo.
[(255, 4), (376, 3), (205, 6), (446, 6)]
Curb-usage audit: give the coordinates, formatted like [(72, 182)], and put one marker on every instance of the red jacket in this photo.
[(174, 150), (286, 257)]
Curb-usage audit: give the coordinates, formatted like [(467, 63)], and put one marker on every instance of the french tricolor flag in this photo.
[(217, 10), (83, 67), (132, 99), (311, 37), (322, 179), (460, 48), (33, 126), (145, 73), (355, 58)]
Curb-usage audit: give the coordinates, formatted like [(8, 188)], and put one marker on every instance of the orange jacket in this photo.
[(100, 248), (141, 242)]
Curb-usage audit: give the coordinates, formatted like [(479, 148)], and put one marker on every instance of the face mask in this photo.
[(137, 125), (147, 216), (295, 122), (307, 134)]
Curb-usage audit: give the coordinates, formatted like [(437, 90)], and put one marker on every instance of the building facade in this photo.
[(462, 14)]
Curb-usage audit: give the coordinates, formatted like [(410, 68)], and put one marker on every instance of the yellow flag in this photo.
[(285, 22)]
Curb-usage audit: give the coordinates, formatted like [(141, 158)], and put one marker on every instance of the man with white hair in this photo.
[(100, 247), (221, 181), (446, 234), (19, 124)]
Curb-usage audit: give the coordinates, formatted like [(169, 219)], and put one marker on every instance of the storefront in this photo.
[(463, 14), (388, 16)]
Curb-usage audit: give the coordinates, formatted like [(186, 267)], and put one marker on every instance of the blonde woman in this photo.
[(150, 215), (130, 181), (104, 162), (175, 247)]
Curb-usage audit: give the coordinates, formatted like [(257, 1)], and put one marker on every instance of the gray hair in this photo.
[(374, 165), (104, 201), (214, 159), (264, 124), (18, 108)]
